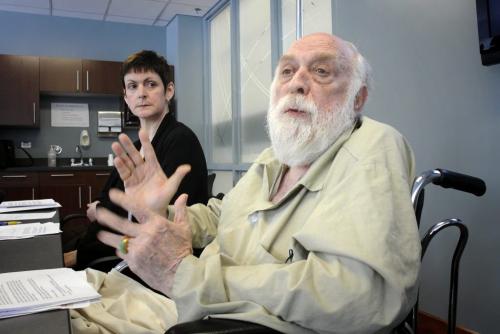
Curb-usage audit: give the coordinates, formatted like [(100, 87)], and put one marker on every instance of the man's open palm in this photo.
[(144, 180)]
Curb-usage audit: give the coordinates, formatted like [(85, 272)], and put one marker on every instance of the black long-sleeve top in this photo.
[(174, 144)]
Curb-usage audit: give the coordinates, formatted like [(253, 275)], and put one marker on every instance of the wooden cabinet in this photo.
[(67, 188), (102, 77), (69, 76), (95, 181), (73, 189), (19, 92), (19, 186), (60, 75)]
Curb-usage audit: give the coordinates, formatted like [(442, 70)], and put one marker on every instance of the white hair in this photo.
[(361, 72)]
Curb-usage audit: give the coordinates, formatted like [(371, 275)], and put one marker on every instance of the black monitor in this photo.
[(488, 22)]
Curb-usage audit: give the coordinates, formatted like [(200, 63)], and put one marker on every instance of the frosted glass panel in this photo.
[(255, 75), (288, 28), (220, 68), (223, 182), (317, 17)]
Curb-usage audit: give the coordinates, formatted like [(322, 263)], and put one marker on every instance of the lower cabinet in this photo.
[(67, 188), (95, 182), (72, 189), (19, 186)]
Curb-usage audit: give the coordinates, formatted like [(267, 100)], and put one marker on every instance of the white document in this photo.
[(69, 115), (29, 202), (33, 291), (23, 231), (26, 216), (37, 204)]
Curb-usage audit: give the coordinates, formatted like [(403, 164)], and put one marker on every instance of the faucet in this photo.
[(78, 150)]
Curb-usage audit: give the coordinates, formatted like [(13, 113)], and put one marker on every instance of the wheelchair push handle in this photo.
[(462, 182)]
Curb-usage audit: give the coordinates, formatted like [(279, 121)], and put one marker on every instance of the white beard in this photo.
[(298, 141)]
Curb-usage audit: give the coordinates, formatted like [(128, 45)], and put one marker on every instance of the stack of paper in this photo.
[(33, 291), (22, 231), (37, 204)]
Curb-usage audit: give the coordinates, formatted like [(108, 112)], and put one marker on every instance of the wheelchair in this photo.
[(439, 177)]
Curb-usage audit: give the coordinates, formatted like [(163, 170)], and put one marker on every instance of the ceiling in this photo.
[(148, 12)]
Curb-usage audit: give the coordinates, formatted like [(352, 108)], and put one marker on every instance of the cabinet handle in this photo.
[(88, 81), (101, 174), (32, 193), (34, 112), (14, 176), (90, 194), (77, 80), (61, 175), (79, 197)]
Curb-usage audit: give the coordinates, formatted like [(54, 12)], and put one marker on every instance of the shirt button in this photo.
[(254, 217)]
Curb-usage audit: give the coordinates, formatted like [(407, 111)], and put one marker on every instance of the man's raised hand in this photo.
[(144, 179)]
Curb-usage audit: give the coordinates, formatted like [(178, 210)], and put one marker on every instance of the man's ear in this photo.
[(360, 100)]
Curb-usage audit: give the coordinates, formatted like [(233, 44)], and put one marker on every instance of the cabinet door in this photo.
[(95, 181), (67, 188), (19, 186), (19, 94), (102, 77), (60, 75)]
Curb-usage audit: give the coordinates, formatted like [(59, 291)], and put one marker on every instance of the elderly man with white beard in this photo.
[(319, 236)]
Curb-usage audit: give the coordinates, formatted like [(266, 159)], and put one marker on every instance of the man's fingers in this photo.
[(117, 223), (176, 178), (122, 162), (180, 209), (111, 239), (129, 147), (120, 198)]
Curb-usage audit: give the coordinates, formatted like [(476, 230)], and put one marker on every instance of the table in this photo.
[(41, 252)]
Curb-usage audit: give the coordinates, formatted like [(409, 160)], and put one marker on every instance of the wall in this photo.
[(185, 52), (26, 34), (430, 84)]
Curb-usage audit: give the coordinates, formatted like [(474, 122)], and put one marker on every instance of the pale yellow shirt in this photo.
[(349, 223)]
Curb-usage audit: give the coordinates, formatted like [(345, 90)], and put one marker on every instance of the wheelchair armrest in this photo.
[(213, 326), (73, 216)]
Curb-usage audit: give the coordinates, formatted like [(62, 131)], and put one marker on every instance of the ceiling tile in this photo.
[(79, 15), (21, 9), (28, 3), (149, 9), (87, 6), (177, 8), (126, 11), (197, 3), (124, 19)]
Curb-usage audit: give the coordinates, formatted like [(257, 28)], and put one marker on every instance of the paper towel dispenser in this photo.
[(109, 123)]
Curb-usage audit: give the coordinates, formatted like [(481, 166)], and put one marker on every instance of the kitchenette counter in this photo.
[(72, 187), (63, 165)]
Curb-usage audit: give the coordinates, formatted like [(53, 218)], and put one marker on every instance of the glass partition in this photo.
[(255, 75), (316, 14), (220, 84)]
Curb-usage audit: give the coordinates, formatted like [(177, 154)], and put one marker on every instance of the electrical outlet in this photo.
[(25, 144)]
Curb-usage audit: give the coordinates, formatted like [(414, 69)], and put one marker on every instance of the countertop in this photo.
[(63, 165)]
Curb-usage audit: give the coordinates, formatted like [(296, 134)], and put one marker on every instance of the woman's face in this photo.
[(145, 94)]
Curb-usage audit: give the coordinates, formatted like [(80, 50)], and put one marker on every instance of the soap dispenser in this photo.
[(52, 156), (84, 138)]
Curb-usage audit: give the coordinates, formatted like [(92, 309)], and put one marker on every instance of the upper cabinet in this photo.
[(70, 76), (19, 91), (102, 77)]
